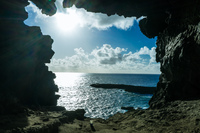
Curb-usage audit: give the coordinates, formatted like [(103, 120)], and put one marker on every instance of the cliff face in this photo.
[(178, 51), (176, 24), (179, 55), (24, 51)]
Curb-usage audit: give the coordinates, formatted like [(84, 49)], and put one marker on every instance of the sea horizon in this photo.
[(108, 73)]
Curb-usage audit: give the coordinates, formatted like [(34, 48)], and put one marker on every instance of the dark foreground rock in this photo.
[(129, 88), (38, 120), (175, 117)]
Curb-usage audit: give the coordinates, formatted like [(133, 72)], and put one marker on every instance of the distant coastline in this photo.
[(129, 88)]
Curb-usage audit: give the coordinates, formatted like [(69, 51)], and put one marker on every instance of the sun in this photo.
[(66, 22)]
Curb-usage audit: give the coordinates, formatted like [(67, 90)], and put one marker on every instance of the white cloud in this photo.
[(102, 21), (85, 19), (108, 59), (107, 55)]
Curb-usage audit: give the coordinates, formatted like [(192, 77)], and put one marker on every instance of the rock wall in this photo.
[(24, 51), (179, 55), (176, 24), (178, 51)]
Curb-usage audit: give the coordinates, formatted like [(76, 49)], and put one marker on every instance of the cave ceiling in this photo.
[(159, 13)]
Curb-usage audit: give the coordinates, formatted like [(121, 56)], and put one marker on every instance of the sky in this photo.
[(94, 42)]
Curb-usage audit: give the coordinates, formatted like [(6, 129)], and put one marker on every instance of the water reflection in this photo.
[(76, 93), (68, 79)]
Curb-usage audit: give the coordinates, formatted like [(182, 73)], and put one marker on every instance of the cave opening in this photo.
[(100, 43), (83, 39), (93, 48)]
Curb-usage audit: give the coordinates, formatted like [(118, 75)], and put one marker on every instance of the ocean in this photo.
[(76, 93)]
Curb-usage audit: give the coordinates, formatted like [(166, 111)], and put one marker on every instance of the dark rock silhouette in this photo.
[(24, 51), (38, 120), (176, 23), (47, 6), (178, 116), (179, 54), (129, 88)]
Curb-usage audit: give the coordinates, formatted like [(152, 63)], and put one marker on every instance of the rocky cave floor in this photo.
[(175, 117)]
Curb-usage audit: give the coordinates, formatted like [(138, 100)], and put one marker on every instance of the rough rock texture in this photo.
[(38, 120), (24, 51), (176, 23), (179, 55), (176, 117)]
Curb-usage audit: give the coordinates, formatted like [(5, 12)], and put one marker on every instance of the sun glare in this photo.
[(67, 22)]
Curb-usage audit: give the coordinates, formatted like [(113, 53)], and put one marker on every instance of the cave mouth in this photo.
[(27, 82), (102, 49), (94, 42)]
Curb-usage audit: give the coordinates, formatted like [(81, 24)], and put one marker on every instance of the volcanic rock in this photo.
[(25, 78)]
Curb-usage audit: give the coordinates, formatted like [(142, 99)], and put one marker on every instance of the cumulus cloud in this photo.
[(107, 55), (107, 59), (85, 19)]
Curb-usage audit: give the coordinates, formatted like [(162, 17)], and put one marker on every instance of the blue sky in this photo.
[(95, 42)]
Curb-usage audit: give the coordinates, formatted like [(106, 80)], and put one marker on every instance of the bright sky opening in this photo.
[(94, 42), (66, 22)]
